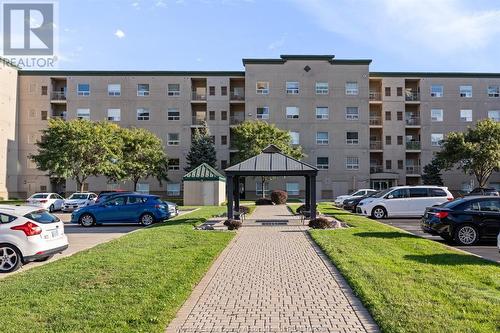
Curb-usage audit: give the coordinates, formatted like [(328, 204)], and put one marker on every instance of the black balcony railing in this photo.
[(412, 121), (375, 145), (199, 120), (235, 120), (199, 96), (237, 95), (375, 120), (58, 96), (412, 96), (375, 95), (413, 145), (376, 168), (413, 169)]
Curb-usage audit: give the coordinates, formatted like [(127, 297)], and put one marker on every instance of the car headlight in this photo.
[(360, 204)]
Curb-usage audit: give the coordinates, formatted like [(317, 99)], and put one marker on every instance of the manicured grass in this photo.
[(12, 202), (410, 284), (132, 284), (293, 207)]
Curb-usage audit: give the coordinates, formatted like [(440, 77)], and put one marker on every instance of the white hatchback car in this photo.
[(28, 234), (78, 200), (407, 201), (49, 201), (359, 193)]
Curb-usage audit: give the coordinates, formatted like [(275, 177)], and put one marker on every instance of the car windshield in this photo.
[(42, 216), (381, 193), (78, 196), (357, 193), (39, 196)]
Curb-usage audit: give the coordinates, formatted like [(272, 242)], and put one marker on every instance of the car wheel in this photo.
[(43, 259), (10, 258), (51, 208), (379, 212), (466, 235), (147, 219), (87, 220)]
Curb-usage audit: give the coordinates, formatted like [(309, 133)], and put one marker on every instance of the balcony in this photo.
[(375, 95), (376, 168), (413, 169), (412, 95), (58, 96), (412, 121), (237, 94), (199, 96), (376, 145), (199, 119), (412, 145), (375, 121), (235, 120)]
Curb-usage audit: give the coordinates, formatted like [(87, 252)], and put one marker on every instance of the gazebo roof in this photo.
[(203, 172), (271, 162)]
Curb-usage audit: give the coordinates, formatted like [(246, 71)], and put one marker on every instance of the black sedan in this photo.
[(351, 204), (465, 220)]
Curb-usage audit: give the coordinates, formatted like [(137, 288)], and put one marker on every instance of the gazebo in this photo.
[(271, 162), (203, 186)]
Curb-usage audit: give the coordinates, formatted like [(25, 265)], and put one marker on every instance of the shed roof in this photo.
[(203, 172)]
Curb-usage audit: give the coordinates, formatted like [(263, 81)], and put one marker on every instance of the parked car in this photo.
[(106, 194), (352, 203), (28, 234), (49, 201), (465, 220), (490, 191), (78, 200), (359, 193), (172, 208), (405, 201), (124, 208)]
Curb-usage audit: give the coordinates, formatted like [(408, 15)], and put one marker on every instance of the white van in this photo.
[(403, 201)]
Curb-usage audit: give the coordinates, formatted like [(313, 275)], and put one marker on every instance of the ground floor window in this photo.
[(143, 188), (292, 188), (173, 189)]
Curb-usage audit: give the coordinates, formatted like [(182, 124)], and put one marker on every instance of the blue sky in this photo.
[(404, 35)]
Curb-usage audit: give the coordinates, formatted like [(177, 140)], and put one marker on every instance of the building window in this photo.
[(322, 112), (493, 91), (223, 140), (223, 115), (83, 89), (388, 140), (466, 115), (352, 113), (400, 164), (83, 114), (43, 188), (211, 90), (388, 164), (387, 91), (436, 139), (351, 88), (399, 91), (44, 90), (114, 114), (259, 189), (437, 90), (223, 91), (400, 140), (174, 164), (44, 114), (143, 89), (322, 138), (142, 188), (173, 139), (436, 114), (292, 87), (223, 164), (466, 91), (295, 137), (352, 138), (322, 163), (399, 115), (322, 88), (292, 188), (173, 114), (292, 112), (114, 89), (494, 115), (173, 189), (263, 112), (262, 87), (211, 115), (388, 115), (173, 89), (352, 163), (142, 114)]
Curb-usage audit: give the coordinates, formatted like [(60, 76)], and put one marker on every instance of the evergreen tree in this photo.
[(202, 149), (432, 173)]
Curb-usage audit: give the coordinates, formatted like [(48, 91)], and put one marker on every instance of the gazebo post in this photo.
[(236, 193), (229, 196), (308, 193), (313, 197)]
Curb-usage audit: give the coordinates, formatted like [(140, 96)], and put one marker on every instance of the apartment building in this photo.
[(360, 128)]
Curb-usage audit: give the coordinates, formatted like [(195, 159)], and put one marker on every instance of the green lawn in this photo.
[(12, 202), (132, 284), (410, 284)]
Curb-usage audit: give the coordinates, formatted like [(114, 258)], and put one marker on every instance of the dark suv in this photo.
[(489, 191)]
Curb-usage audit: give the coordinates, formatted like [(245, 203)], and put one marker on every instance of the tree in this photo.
[(202, 149), (143, 156), (432, 173), (251, 137), (476, 151), (79, 149)]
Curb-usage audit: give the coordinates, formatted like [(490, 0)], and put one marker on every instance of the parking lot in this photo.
[(487, 250)]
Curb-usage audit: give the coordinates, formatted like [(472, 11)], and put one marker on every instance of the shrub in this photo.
[(232, 224), (320, 223), (279, 197), (263, 202)]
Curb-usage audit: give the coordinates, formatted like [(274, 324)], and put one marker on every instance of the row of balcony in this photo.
[(410, 145), (409, 121), (410, 96), (410, 169), (233, 120)]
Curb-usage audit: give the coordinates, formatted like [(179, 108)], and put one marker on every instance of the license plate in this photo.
[(54, 233)]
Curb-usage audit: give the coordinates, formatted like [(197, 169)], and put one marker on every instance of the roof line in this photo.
[(434, 74), (128, 73)]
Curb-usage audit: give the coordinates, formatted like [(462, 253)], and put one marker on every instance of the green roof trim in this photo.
[(203, 172), (434, 74), (351, 61), (130, 73), (325, 57), (247, 61)]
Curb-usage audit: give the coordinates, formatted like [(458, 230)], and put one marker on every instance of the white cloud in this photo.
[(160, 3), (444, 26), (277, 44), (119, 33)]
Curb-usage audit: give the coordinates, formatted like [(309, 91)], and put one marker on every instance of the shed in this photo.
[(204, 186)]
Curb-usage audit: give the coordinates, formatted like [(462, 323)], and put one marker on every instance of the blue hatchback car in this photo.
[(124, 208)]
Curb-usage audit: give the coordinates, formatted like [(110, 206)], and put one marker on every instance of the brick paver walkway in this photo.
[(272, 279)]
